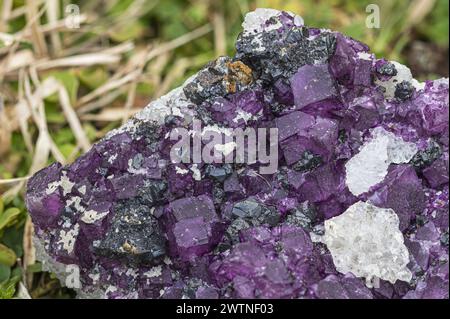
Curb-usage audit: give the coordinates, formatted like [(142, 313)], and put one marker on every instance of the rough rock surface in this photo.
[(352, 129)]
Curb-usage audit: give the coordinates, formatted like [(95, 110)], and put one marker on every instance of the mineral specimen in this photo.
[(358, 207)]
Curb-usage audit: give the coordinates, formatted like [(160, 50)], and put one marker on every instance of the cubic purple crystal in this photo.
[(139, 226)]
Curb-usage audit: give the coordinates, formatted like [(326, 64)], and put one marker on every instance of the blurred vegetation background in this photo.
[(69, 74)]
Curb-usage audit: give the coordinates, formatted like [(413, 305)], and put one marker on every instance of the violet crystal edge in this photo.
[(357, 208)]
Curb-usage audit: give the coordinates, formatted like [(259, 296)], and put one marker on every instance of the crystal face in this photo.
[(358, 207), (370, 165), (366, 241)]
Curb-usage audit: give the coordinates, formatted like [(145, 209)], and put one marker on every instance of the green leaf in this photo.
[(93, 77), (127, 32), (166, 10), (7, 290), (13, 238), (91, 131), (198, 13), (63, 136), (69, 81), (144, 87), (8, 216), (53, 113), (174, 29), (7, 256), (2, 206), (119, 8), (34, 268), (355, 29), (16, 274), (17, 202), (5, 272), (67, 149), (436, 25)]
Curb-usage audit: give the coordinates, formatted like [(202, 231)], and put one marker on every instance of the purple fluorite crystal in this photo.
[(139, 226)]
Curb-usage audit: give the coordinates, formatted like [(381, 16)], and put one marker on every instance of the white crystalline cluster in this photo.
[(68, 238), (64, 182), (91, 216), (370, 165), (256, 21), (154, 272), (196, 174), (403, 74), (398, 151), (366, 241)]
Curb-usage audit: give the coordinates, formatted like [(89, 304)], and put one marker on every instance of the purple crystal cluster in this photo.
[(140, 226)]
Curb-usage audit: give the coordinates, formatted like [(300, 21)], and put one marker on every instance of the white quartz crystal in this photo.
[(64, 182), (154, 272), (196, 174), (68, 238), (254, 21), (370, 165), (366, 241), (91, 216), (398, 151), (181, 171)]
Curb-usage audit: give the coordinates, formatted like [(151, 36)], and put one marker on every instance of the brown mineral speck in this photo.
[(129, 248), (238, 73)]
